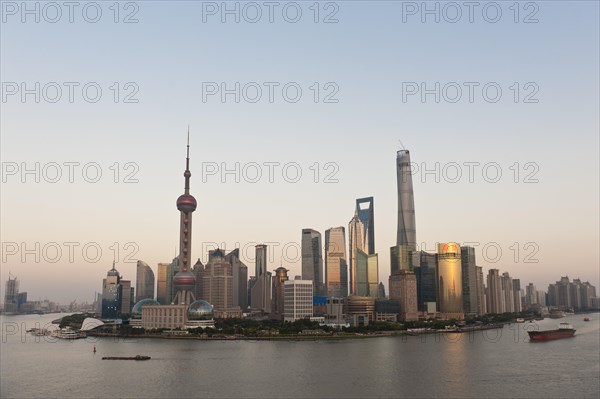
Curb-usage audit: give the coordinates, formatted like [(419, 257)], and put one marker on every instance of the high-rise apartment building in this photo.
[(336, 267), (494, 295)]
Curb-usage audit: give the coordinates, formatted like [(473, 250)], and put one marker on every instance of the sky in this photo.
[(295, 109)]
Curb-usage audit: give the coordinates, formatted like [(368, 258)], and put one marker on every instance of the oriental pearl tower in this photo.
[(184, 281)]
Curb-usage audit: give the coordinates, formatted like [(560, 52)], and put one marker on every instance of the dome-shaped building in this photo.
[(200, 310), (136, 312)]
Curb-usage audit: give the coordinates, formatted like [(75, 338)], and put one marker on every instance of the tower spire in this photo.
[(187, 172)]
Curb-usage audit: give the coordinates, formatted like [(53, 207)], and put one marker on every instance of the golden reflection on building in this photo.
[(449, 277)]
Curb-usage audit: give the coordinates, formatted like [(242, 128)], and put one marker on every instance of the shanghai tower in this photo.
[(185, 281), (407, 234)]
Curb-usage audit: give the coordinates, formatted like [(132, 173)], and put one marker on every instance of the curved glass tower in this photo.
[(407, 231)]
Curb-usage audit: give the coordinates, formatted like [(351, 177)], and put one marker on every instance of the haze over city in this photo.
[(170, 55)]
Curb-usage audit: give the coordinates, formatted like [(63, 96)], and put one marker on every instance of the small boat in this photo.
[(136, 357), (520, 320), (586, 319), (565, 330)]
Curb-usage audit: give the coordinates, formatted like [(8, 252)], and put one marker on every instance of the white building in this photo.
[(297, 299)]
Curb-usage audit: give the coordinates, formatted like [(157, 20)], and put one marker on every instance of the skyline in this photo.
[(554, 141), (251, 248)]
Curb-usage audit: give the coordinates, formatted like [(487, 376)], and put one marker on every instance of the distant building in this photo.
[(334, 311), (361, 237), (312, 259), (197, 271), (381, 290), (449, 281), (403, 288), (336, 267), (426, 276), (127, 297), (366, 274), (217, 282), (199, 313), (297, 299), (494, 296), (261, 287), (111, 294), (387, 310), (161, 284), (469, 281), (11, 293), (359, 309), (576, 295), (480, 288), (144, 281), (407, 230), (278, 292), (240, 279)]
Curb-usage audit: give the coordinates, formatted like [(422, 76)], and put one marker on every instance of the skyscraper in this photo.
[(336, 268), (366, 214), (217, 281), (469, 280), (403, 288), (198, 269), (367, 274), (261, 288), (162, 292), (426, 274), (494, 297), (281, 277), (480, 286), (127, 297), (240, 279), (144, 281), (361, 237), (356, 241), (407, 234), (11, 293), (185, 281), (111, 294), (312, 259), (449, 278)]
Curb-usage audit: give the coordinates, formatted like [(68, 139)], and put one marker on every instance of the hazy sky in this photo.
[(361, 80)]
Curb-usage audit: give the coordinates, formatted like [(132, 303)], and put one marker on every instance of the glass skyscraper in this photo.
[(144, 282), (361, 237), (312, 259), (336, 268), (407, 234)]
